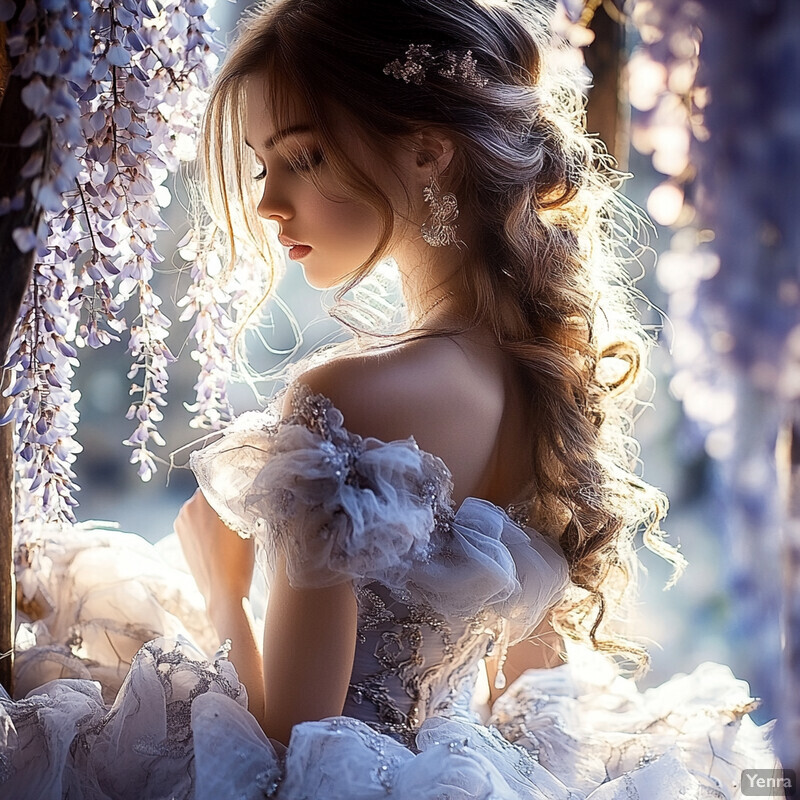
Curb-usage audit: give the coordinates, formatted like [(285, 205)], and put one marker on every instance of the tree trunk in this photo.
[(14, 118), (604, 59)]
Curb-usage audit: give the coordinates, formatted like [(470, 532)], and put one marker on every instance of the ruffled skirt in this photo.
[(105, 716)]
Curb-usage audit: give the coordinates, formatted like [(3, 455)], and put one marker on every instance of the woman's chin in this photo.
[(324, 279), (322, 282)]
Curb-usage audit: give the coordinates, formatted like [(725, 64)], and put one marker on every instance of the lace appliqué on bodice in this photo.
[(415, 663)]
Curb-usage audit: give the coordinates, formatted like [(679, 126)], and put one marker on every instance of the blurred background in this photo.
[(693, 622)]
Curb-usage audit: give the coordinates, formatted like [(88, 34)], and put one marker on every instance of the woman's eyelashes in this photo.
[(305, 162)]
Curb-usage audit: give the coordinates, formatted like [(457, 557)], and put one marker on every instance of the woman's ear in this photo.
[(432, 147)]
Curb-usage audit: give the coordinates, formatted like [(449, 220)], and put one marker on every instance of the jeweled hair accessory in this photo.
[(420, 58)]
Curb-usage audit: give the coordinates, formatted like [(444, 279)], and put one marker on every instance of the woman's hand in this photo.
[(220, 560), (222, 564)]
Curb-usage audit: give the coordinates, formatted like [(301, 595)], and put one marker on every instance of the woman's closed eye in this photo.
[(305, 162)]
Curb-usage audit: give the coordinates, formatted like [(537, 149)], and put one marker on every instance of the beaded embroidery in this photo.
[(436, 487), (400, 633)]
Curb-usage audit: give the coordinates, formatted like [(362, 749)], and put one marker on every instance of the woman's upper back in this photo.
[(459, 397)]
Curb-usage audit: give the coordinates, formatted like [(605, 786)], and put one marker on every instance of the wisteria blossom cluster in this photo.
[(667, 124), (209, 301), (662, 87), (44, 404), (117, 88)]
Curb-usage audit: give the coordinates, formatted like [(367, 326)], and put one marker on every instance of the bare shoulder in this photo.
[(443, 392)]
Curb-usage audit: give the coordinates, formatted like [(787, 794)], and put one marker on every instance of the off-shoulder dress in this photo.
[(124, 695)]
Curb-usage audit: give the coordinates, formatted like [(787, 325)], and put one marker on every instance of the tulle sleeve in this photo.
[(337, 506), (487, 561)]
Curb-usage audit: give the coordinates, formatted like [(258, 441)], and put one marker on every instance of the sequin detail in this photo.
[(386, 770), (167, 664)]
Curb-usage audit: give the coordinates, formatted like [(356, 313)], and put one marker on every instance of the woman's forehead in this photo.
[(272, 115), (267, 95)]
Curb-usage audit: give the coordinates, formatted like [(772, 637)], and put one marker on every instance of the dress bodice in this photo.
[(438, 587), (412, 663)]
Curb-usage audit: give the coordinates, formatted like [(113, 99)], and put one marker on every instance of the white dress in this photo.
[(124, 699)]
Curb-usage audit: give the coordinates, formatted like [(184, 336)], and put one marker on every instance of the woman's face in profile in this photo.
[(328, 232)]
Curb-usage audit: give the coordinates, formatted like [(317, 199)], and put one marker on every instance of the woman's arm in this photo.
[(232, 619), (309, 634), (222, 564), (309, 647)]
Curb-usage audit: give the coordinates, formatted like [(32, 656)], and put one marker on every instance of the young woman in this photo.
[(427, 504)]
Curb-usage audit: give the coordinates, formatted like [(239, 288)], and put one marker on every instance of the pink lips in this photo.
[(299, 251), (296, 250)]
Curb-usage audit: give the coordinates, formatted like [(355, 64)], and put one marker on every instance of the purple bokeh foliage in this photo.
[(715, 84)]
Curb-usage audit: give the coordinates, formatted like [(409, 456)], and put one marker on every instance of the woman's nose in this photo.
[(274, 204)]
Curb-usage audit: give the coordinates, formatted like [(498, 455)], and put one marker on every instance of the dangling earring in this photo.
[(438, 229)]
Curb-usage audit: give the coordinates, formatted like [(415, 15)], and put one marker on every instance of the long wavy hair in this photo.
[(547, 267)]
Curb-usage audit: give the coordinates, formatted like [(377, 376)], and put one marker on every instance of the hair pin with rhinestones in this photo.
[(420, 58)]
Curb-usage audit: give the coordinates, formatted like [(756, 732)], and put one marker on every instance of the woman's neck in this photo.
[(432, 287)]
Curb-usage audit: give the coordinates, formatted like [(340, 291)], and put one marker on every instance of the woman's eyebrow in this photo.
[(290, 131)]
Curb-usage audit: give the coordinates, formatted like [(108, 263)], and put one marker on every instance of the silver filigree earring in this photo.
[(438, 229)]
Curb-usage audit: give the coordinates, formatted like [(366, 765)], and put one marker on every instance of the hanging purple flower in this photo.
[(117, 89)]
